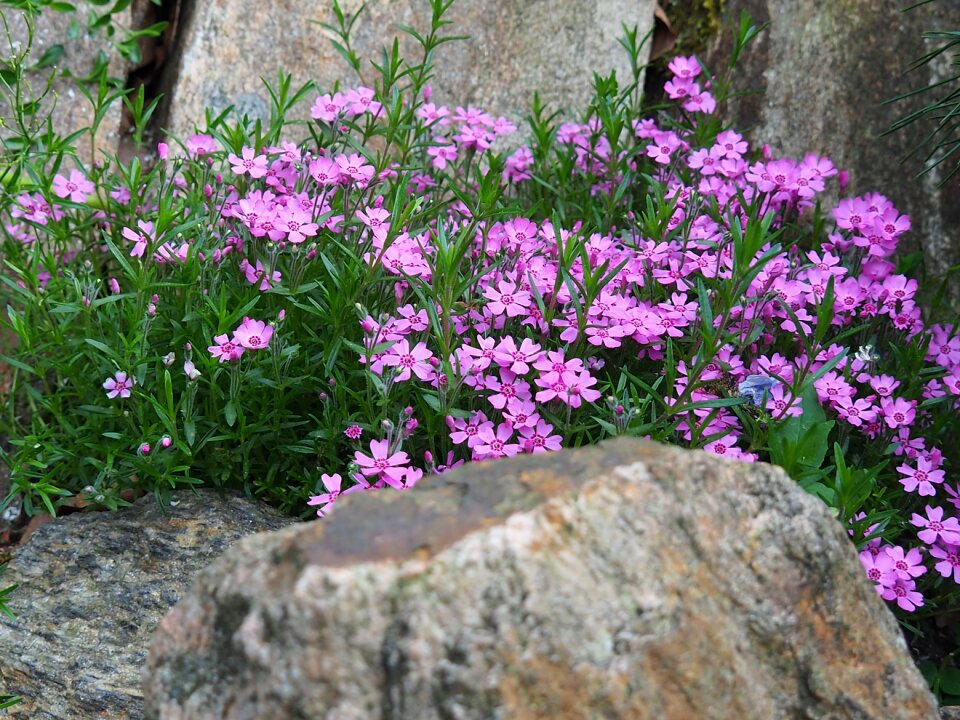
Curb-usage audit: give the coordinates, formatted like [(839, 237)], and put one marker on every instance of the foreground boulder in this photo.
[(627, 580), (92, 589)]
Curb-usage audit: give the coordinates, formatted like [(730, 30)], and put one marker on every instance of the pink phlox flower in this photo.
[(517, 359), (495, 444), (662, 147), (477, 358), (506, 298), (140, 239), (353, 432), (332, 483), (258, 274), (581, 389), (685, 67), (897, 412), (325, 171), (433, 115), (731, 144), (521, 413), (468, 430), (442, 152), (328, 108), (253, 334), (225, 349), (199, 144), (949, 556), (906, 565), (378, 220), (361, 100), (904, 592), (723, 446), (607, 336), (884, 385), (878, 567), (391, 468), (409, 361), (77, 187), (354, 167), (921, 478), (119, 385), (412, 320), (538, 440), (936, 528), (855, 412), (507, 388), (700, 101), (296, 222), (249, 163)]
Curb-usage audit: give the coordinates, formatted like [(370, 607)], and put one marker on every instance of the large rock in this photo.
[(826, 68), (92, 589), (627, 580), (70, 110), (516, 47)]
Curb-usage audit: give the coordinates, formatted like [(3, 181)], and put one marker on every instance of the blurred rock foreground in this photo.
[(626, 580)]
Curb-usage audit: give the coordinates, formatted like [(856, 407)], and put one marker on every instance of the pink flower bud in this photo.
[(165, 442), (163, 151), (144, 449), (114, 286)]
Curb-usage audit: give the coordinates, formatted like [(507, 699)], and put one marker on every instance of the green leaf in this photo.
[(230, 414), (50, 57)]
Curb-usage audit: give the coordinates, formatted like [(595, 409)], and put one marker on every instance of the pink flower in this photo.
[(258, 273), (906, 565), (495, 445), (296, 222), (253, 334), (380, 464), (139, 239), (936, 528), (539, 440), (416, 361), (325, 171), (328, 107), (353, 432), (507, 299), (904, 592), (76, 188), (923, 477), (201, 145), (224, 349), (354, 167), (250, 164), (332, 483), (118, 385), (949, 556)]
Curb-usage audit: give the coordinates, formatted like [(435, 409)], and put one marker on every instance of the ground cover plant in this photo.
[(305, 311)]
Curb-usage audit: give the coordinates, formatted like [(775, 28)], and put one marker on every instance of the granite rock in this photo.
[(626, 580), (826, 68), (92, 589), (70, 110), (516, 47)]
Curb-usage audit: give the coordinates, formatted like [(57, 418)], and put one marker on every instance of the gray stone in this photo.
[(70, 110), (625, 580), (826, 68), (517, 47), (92, 589)]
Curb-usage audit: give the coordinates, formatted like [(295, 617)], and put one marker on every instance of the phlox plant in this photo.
[(385, 293)]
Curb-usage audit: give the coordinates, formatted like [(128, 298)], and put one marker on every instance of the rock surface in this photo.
[(826, 68), (627, 580), (92, 589), (71, 111), (517, 47)]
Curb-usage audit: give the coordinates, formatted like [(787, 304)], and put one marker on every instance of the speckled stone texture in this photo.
[(71, 110), (93, 588), (826, 68), (626, 580), (516, 47)]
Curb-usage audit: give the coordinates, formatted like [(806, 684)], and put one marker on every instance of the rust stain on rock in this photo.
[(386, 527)]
